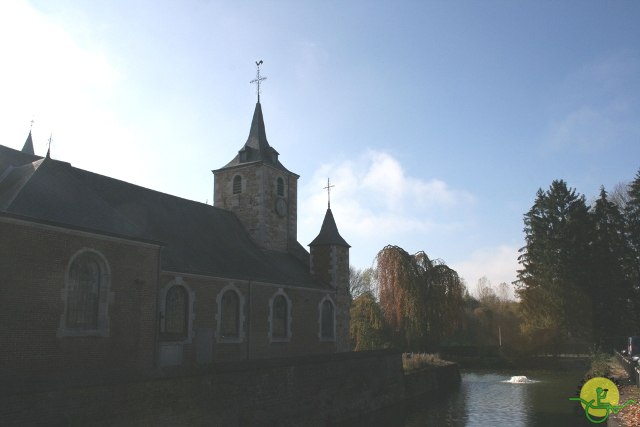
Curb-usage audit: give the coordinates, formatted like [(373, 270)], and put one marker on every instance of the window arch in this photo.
[(280, 317), (230, 315), (86, 295), (237, 184), (327, 320), (280, 187), (176, 311)]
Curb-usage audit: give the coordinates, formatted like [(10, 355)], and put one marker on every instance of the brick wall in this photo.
[(34, 260), (255, 342)]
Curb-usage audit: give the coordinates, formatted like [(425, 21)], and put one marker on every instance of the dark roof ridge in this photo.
[(131, 184), (49, 170)]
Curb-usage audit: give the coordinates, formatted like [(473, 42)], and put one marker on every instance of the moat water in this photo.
[(487, 398)]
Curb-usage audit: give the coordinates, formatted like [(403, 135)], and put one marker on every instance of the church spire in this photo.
[(257, 134), (257, 148), (27, 148), (28, 145)]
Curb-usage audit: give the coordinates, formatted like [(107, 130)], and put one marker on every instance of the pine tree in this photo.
[(632, 233), (612, 291), (632, 219), (554, 284)]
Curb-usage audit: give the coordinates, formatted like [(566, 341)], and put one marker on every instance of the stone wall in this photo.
[(431, 380), (255, 205), (311, 391)]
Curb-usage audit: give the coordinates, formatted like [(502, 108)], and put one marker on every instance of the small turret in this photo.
[(329, 262)]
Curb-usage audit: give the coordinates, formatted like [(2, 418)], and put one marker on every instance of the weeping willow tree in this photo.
[(421, 299), (368, 328)]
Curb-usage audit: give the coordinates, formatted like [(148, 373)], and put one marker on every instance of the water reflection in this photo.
[(487, 398)]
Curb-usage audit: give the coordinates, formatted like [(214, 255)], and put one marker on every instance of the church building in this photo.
[(100, 274)]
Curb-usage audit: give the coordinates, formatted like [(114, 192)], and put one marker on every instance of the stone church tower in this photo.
[(329, 262), (264, 196), (260, 190)]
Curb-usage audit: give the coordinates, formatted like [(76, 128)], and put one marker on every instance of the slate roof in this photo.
[(329, 234), (257, 148), (198, 238)]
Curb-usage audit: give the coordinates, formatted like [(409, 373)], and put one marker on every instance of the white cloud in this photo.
[(499, 264), (375, 203)]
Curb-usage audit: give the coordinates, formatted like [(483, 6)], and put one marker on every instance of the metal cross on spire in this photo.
[(328, 188), (31, 127), (258, 79)]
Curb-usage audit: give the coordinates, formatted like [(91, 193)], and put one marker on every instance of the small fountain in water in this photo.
[(520, 379)]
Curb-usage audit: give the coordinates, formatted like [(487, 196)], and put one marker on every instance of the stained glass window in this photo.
[(175, 314), (279, 317), (230, 315), (83, 293), (327, 328)]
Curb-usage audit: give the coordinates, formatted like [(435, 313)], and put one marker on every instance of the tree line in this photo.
[(580, 272), (579, 282)]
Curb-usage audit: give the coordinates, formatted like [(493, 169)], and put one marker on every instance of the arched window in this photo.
[(237, 184), (327, 320), (176, 310), (86, 296), (280, 187), (230, 315), (280, 317), (83, 293)]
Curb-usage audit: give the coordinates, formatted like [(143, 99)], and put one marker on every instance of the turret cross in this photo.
[(258, 79), (328, 188)]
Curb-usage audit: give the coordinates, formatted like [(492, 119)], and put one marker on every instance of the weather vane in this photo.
[(258, 79), (328, 188)]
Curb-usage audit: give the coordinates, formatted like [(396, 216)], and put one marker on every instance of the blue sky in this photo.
[(436, 121)]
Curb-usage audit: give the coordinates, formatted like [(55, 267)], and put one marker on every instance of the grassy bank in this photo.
[(600, 365), (412, 362)]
